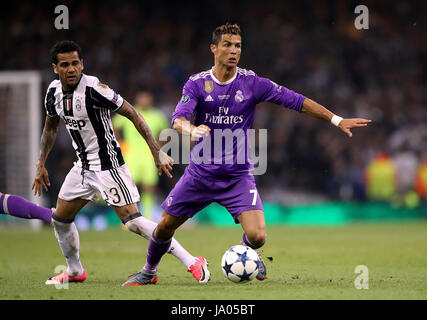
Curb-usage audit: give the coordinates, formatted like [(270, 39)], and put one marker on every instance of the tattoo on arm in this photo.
[(140, 124), (48, 138)]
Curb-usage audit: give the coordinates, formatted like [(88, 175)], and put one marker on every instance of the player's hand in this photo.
[(199, 132), (347, 124), (41, 180), (164, 164)]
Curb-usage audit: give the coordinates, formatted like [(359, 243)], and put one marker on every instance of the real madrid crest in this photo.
[(239, 96), (209, 86), (169, 201)]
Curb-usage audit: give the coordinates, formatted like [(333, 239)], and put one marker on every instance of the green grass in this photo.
[(308, 263)]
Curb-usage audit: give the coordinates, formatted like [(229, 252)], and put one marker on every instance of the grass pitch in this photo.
[(308, 263)]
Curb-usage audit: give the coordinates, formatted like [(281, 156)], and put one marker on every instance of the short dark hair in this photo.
[(64, 47), (227, 28)]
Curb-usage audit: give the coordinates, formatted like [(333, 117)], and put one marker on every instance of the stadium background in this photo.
[(315, 173)]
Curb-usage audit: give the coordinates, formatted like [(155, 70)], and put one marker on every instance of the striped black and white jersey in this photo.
[(86, 112)]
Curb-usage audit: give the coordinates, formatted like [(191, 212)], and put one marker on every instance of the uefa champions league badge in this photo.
[(239, 96), (115, 98), (184, 99)]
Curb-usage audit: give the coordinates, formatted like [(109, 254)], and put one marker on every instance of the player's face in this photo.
[(69, 68), (228, 50)]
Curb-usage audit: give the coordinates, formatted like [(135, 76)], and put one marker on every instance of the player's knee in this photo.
[(257, 237)]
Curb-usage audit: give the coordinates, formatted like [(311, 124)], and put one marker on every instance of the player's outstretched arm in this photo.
[(47, 141), (314, 109), (162, 160)]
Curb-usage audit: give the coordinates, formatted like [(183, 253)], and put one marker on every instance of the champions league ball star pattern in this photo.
[(240, 264)]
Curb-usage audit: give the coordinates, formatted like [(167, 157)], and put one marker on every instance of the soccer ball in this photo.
[(240, 264)]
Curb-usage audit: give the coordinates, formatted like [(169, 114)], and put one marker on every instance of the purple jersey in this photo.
[(228, 105)]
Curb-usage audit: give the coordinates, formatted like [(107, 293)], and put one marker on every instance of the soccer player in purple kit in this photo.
[(223, 98)]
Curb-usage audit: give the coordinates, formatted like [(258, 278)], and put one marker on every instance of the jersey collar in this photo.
[(222, 83)]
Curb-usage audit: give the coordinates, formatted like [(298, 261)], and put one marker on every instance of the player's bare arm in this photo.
[(316, 110), (162, 160), (47, 141), (184, 127)]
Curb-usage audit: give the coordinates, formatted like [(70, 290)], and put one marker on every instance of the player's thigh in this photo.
[(239, 195), (117, 188), (69, 209), (74, 194), (188, 197), (78, 186), (253, 224)]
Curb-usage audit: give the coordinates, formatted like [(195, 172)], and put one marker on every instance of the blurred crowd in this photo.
[(311, 47)]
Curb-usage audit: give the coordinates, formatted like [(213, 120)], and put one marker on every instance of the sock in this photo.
[(144, 227), (68, 239), (156, 249), (147, 202), (183, 255), (245, 241), (22, 208)]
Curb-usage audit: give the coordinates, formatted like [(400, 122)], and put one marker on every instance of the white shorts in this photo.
[(115, 186)]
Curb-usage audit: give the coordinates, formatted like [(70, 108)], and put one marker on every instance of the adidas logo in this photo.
[(209, 98)]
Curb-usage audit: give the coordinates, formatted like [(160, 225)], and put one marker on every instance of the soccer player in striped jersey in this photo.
[(224, 99), (85, 105)]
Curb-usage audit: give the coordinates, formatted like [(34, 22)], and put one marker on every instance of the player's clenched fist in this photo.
[(199, 132), (41, 180), (164, 163)]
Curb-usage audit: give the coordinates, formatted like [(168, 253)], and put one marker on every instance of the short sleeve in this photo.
[(269, 91), (106, 97), (49, 102), (187, 103)]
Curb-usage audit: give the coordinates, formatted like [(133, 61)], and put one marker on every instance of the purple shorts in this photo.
[(193, 192)]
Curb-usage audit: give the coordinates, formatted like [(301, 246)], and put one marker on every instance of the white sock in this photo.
[(145, 228), (68, 239)]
